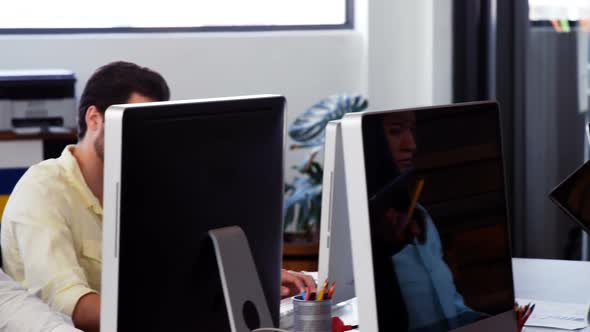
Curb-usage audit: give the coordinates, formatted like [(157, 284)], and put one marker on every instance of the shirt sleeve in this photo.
[(458, 301), (46, 248), (21, 311)]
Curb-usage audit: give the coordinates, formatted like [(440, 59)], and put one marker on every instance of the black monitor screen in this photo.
[(187, 169), (573, 195), (445, 261)]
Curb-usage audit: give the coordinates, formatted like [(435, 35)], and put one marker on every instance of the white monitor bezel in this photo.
[(358, 211), (113, 136)]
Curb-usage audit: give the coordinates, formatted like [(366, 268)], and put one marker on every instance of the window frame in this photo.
[(347, 25)]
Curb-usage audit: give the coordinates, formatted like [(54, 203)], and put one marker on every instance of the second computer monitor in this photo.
[(430, 231), (335, 261)]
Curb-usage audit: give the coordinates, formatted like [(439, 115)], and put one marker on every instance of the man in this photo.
[(51, 233), (21, 311)]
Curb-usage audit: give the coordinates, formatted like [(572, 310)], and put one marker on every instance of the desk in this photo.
[(536, 279), (552, 280)]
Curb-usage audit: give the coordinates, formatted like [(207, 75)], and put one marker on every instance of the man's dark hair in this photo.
[(114, 83)]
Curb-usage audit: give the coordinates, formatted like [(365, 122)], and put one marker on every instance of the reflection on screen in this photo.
[(447, 264)]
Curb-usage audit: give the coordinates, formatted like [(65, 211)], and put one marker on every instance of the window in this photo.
[(572, 10), (141, 15)]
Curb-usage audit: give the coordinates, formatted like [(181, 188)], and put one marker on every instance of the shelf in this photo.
[(301, 256), (11, 136)]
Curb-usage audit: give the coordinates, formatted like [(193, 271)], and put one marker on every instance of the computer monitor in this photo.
[(572, 196), (573, 193), (447, 265), (335, 258), (173, 172)]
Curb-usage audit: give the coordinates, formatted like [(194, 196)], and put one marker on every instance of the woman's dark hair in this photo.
[(387, 186), (380, 167), (114, 83)]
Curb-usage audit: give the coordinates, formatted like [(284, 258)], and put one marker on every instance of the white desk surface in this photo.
[(544, 279), (552, 280)]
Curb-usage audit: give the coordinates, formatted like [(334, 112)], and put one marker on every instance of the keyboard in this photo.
[(286, 308)]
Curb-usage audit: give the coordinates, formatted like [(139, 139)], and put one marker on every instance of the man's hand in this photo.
[(86, 315), (293, 283)]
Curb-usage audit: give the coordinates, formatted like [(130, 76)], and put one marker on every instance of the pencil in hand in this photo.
[(415, 197)]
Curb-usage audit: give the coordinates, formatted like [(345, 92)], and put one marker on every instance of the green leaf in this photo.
[(303, 196), (308, 129)]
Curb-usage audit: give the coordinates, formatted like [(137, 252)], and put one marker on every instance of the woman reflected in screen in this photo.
[(412, 245)]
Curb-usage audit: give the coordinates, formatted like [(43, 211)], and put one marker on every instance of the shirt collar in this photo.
[(74, 176)]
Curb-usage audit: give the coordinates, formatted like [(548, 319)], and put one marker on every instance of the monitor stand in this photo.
[(246, 305)]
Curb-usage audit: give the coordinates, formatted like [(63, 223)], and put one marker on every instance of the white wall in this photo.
[(398, 55), (409, 53), (303, 66), (442, 60)]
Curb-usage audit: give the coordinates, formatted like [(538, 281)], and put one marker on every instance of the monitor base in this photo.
[(246, 305)]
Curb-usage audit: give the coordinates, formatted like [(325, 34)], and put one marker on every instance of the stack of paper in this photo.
[(567, 316)]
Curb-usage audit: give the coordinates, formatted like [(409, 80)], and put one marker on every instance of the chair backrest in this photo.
[(0, 253), (8, 179)]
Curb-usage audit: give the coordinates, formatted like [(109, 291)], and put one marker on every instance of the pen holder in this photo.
[(312, 316)]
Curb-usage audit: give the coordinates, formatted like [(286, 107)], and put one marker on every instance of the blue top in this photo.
[(426, 282)]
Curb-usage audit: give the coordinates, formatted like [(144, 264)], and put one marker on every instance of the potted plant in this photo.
[(303, 195)]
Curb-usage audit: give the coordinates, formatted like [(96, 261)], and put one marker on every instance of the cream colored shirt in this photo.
[(51, 233)]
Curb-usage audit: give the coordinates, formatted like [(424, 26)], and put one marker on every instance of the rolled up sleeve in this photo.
[(45, 223), (51, 267)]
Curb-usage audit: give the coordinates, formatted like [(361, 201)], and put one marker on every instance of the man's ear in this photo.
[(94, 119)]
